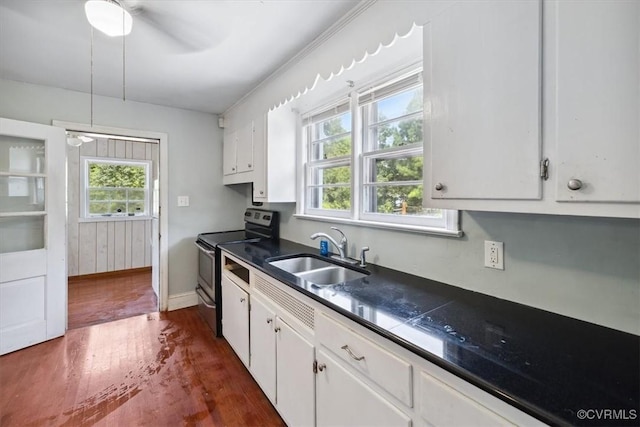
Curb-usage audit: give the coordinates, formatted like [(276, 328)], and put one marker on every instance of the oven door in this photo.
[(205, 290)]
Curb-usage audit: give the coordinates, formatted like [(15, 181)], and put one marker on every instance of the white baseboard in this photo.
[(184, 300)]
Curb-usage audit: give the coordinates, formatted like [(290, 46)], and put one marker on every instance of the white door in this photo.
[(344, 400), (263, 347), (235, 318), (295, 377), (33, 269), (155, 231), (598, 101)]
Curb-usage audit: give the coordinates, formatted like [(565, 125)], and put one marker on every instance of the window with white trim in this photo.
[(114, 188), (364, 159)]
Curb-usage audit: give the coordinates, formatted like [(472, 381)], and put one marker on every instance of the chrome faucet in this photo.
[(342, 247)]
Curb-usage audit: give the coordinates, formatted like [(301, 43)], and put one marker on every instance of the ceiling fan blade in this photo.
[(187, 36)]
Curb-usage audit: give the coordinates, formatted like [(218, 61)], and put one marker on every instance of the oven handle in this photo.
[(205, 298), (203, 249)]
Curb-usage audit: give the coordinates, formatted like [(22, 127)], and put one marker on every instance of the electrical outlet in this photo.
[(183, 201), (494, 254)]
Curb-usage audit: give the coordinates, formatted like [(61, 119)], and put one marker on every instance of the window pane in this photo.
[(21, 155), (335, 147), (21, 234), (334, 198), (333, 126), (403, 103), (136, 207), (96, 194), (396, 169), (99, 208), (114, 175), (135, 194), (397, 134), (334, 175), (398, 200), (21, 194)]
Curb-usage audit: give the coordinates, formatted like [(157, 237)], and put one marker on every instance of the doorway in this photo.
[(116, 263)]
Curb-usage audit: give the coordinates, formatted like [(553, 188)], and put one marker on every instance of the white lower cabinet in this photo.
[(344, 400), (442, 405), (282, 364), (235, 318), (321, 369)]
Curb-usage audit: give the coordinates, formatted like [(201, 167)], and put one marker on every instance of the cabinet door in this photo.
[(235, 318), (482, 100), (229, 153), (342, 399), (295, 377), (263, 347), (598, 101), (244, 149)]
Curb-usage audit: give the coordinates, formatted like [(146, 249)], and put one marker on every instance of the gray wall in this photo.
[(195, 160), (586, 268)]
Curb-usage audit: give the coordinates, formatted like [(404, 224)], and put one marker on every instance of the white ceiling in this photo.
[(197, 54)]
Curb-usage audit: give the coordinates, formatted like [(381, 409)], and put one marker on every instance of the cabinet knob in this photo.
[(243, 299), (321, 367), (249, 165), (269, 320), (574, 184), (439, 186), (261, 192), (277, 329), (233, 169)]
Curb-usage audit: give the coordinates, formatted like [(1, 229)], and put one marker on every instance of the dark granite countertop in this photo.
[(549, 366)]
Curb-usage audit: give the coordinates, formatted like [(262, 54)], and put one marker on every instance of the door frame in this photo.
[(164, 191)]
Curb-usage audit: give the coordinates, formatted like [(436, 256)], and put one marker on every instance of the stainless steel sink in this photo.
[(300, 264), (317, 271), (330, 275)]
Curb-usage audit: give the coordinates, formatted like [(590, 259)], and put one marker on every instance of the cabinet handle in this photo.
[(574, 184), (321, 367), (439, 186), (269, 320), (353, 356), (277, 329), (243, 299)]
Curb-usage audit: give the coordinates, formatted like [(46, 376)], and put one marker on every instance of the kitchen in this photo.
[(581, 265)]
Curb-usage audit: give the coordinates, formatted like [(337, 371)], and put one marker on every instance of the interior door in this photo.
[(33, 269)]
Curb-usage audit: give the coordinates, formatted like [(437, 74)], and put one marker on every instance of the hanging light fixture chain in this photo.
[(123, 58), (91, 76)]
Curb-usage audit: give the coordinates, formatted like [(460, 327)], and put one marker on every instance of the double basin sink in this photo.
[(316, 270)]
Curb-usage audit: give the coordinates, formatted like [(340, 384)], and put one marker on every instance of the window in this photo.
[(115, 188), (364, 159), (329, 162)]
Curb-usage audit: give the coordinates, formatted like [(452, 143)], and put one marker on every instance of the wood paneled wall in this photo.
[(100, 246)]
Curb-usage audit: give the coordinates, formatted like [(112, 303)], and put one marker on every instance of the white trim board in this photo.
[(183, 300)]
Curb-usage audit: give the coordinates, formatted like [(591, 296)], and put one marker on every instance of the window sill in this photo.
[(114, 218), (383, 225)]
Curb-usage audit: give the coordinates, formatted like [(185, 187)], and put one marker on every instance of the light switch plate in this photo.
[(494, 254), (183, 201)]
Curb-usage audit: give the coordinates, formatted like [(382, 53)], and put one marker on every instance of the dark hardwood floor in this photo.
[(159, 369), (103, 298)]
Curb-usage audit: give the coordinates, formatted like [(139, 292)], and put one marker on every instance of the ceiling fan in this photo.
[(164, 18)]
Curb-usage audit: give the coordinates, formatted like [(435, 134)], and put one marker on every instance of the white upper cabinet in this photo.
[(275, 150), (482, 91), (499, 104), (598, 101), (237, 153)]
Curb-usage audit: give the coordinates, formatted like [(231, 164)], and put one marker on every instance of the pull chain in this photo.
[(91, 76)]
